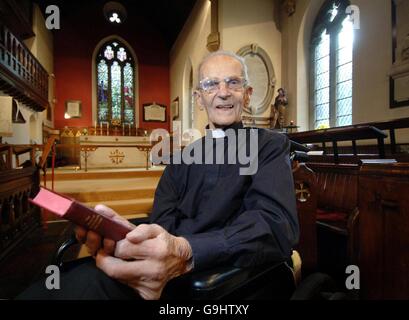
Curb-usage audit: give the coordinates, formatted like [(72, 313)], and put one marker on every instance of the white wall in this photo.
[(296, 32), (372, 66), (188, 50), (26, 133), (244, 22), (241, 23), (42, 47), (372, 61)]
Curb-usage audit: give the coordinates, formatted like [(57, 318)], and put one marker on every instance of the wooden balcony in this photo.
[(21, 74)]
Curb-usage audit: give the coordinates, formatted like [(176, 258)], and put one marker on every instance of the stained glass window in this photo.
[(128, 93), (332, 47), (121, 54), (115, 92), (102, 91)]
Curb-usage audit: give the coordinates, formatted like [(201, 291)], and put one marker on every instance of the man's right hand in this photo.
[(93, 240)]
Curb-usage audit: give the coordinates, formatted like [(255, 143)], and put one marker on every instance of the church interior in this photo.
[(83, 84)]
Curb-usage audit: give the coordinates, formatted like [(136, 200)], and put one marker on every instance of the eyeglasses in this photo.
[(211, 85)]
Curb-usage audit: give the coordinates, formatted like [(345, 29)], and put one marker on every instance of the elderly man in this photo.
[(204, 214)]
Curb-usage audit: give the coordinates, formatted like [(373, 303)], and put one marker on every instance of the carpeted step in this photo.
[(111, 195), (127, 207), (60, 175)]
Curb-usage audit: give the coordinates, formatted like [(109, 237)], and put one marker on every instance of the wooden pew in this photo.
[(18, 217), (391, 126), (384, 231), (337, 201), (26, 244), (335, 135), (306, 195)]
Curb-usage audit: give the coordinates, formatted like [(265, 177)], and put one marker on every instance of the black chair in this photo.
[(276, 281), (273, 281)]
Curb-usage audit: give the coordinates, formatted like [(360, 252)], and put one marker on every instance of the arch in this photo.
[(331, 66), (136, 77), (302, 62), (187, 102)]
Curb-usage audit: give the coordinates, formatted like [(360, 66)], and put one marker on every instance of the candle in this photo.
[(107, 128), (95, 128), (123, 128)]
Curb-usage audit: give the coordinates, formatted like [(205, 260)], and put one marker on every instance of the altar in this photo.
[(99, 152)]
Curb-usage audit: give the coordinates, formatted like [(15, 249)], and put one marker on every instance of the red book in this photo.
[(70, 209)]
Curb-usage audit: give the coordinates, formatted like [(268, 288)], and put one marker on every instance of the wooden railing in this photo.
[(21, 74), (391, 126), (335, 135), (7, 151), (104, 130), (17, 216), (383, 231), (351, 133)]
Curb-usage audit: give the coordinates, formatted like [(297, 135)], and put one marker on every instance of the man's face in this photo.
[(224, 105)]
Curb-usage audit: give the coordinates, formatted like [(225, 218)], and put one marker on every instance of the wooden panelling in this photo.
[(337, 186), (306, 195), (17, 216), (384, 231)]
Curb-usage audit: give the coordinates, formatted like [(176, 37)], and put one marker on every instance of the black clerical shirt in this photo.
[(228, 218)]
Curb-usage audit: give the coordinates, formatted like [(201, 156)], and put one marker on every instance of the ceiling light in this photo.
[(115, 18), (114, 12)]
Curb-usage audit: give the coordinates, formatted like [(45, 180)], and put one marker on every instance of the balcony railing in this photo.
[(21, 74)]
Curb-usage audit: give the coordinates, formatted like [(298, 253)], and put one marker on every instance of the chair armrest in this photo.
[(229, 282), (218, 282), (59, 255)]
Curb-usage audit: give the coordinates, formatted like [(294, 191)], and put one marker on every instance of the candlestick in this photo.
[(95, 128), (129, 129), (107, 128)]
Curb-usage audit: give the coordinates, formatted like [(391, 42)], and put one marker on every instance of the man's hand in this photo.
[(93, 240), (147, 259)]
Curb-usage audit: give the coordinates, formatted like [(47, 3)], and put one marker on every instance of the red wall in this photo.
[(74, 45)]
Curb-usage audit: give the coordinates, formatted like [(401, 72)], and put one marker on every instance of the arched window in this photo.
[(115, 84), (331, 66)]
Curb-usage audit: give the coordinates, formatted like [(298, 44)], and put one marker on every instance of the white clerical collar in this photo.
[(218, 133)]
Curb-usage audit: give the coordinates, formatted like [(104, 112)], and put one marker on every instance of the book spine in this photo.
[(97, 222)]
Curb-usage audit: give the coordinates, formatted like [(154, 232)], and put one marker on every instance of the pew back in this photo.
[(337, 186), (17, 216)]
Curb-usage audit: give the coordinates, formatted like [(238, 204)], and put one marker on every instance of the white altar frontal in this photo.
[(99, 152)]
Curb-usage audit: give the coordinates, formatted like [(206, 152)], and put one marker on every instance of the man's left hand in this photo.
[(147, 259)]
